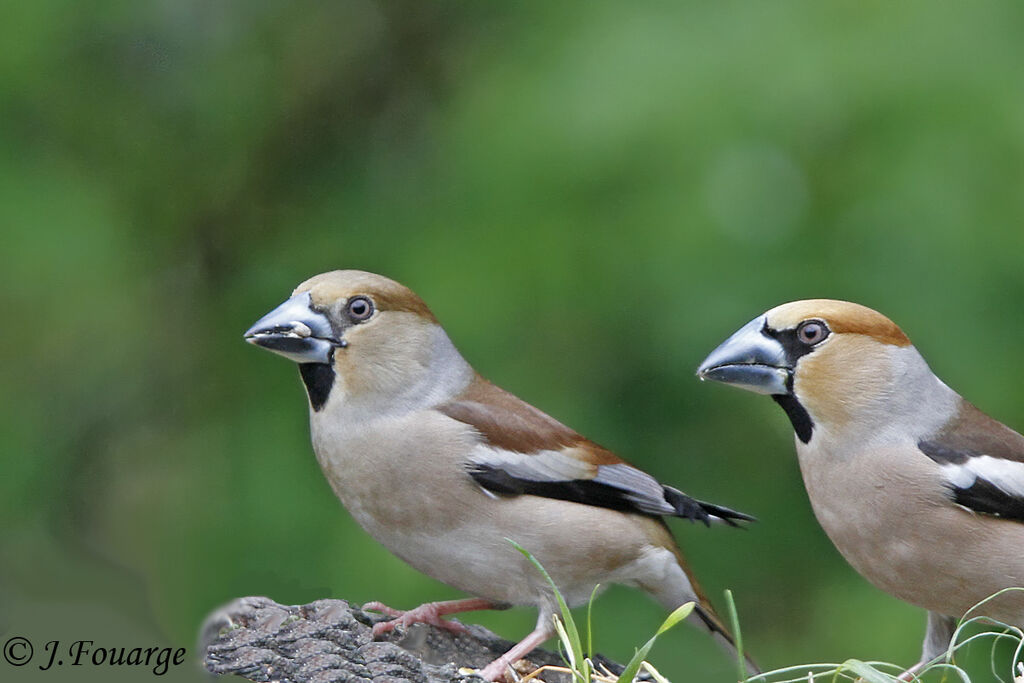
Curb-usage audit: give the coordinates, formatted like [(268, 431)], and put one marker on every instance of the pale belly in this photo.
[(415, 498), (915, 544)]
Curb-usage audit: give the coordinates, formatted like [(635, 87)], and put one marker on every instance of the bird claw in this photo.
[(424, 614), (382, 608), (495, 671)]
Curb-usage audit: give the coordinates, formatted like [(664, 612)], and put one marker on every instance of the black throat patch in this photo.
[(802, 423), (318, 378)]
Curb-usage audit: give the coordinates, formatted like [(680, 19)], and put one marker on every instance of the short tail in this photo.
[(699, 511)]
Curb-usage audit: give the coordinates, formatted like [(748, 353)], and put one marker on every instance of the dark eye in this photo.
[(360, 308), (811, 332)]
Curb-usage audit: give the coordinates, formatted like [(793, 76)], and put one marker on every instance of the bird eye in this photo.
[(811, 332), (360, 308)]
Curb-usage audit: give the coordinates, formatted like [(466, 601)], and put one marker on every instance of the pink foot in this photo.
[(911, 674), (496, 670), (429, 613)]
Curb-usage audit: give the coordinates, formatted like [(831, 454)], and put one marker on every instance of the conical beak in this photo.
[(296, 331), (749, 359)]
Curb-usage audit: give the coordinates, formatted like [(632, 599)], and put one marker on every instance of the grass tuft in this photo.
[(577, 658), (943, 669)]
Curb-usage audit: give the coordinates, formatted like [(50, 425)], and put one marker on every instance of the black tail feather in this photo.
[(718, 629), (699, 511)]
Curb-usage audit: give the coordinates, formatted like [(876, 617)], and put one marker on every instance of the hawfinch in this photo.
[(443, 468), (919, 490)]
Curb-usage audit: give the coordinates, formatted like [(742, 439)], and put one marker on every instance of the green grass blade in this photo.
[(590, 629), (678, 614), (572, 634), (566, 642), (865, 671), (737, 634), (633, 667)]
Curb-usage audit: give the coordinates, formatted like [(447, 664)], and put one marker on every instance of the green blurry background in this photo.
[(589, 196)]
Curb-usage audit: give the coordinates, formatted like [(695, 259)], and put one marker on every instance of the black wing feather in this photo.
[(982, 495), (589, 492)]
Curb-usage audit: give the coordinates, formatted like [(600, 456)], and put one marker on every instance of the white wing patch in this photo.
[(550, 466), (545, 465), (1006, 475)]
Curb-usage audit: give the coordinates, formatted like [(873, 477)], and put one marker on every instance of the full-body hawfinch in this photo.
[(919, 490), (442, 467)]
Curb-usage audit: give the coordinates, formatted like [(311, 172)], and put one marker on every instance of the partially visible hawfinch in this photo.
[(919, 490), (442, 467)]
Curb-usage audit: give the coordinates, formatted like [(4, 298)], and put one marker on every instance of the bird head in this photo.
[(361, 336), (826, 362)]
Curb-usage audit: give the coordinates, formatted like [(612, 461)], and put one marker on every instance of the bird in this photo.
[(920, 491), (444, 468)]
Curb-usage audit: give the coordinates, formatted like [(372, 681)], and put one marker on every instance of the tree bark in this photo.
[(330, 641)]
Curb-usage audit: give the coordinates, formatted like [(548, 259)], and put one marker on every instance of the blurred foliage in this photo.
[(590, 196)]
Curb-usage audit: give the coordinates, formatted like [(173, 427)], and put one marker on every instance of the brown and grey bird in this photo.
[(442, 467), (919, 490)]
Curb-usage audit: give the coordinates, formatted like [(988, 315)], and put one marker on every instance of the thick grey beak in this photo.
[(749, 359), (295, 331)]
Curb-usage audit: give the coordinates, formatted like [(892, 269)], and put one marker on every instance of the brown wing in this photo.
[(523, 451), (972, 433), (983, 463), (506, 421)]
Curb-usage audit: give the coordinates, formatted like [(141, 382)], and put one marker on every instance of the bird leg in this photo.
[(429, 613), (496, 669), (911, 673), (936, 642)]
